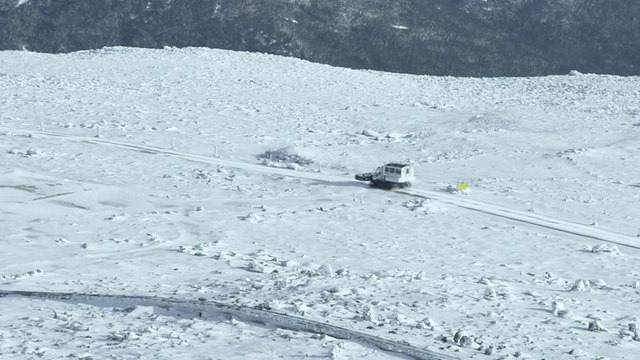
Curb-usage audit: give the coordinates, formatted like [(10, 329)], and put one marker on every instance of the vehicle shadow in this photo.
[(346, 183)]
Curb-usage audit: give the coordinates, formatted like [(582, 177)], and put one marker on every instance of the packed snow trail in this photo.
[(530, 218), (214, 160), (489, 209), (243, 313)]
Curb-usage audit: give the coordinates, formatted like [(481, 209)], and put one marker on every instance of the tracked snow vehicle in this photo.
[(389, 176)]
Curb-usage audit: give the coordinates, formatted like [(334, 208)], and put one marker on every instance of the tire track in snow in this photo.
[(490, 209), (243, 313)]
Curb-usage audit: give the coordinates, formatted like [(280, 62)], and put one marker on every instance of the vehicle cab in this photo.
[(395, 172)]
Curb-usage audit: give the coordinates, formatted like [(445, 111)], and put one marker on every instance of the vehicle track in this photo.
[(530, 218), (243, 313), (214, 160), (489, 209)]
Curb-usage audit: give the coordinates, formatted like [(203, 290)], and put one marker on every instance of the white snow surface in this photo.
[(201, 204)]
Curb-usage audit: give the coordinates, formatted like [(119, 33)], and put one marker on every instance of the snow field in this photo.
[(98, 217)]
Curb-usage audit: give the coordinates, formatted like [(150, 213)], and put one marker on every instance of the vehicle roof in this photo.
[(397, 165)]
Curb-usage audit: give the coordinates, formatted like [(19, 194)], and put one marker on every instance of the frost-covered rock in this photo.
[(426, 323), (395, 136), (276, 304), (336, 351), (325, 270), (33, 152), (76, 326), (463, 339), (458, 335), (605, 248), (285, 155), (256, 267), (369, 314), (416, 204), (120, 336), (301, 308), (558, 309), (466, 341), (599, 283), (250, 218), (633, 329), (577, 353), (581, 285), (596, 327), (371, 133), (557, 281), (489, 350), (490, 294)]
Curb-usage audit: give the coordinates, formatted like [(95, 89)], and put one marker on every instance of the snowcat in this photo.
[(389, 176)]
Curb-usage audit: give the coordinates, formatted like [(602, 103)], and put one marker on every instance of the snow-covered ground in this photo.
[(200, 204)]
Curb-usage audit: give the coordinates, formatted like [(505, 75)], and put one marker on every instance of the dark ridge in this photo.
[(434, 37)]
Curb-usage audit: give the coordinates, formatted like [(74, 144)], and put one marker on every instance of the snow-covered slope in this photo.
[(151, 177)]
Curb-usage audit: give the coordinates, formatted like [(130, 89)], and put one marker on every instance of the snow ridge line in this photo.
[(242, 313), (528, 218)]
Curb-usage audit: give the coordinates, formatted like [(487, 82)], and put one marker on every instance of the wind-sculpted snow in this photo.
[(202, 305)]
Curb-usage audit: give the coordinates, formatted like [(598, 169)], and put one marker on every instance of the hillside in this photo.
[(435, 37), (201, 204)]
